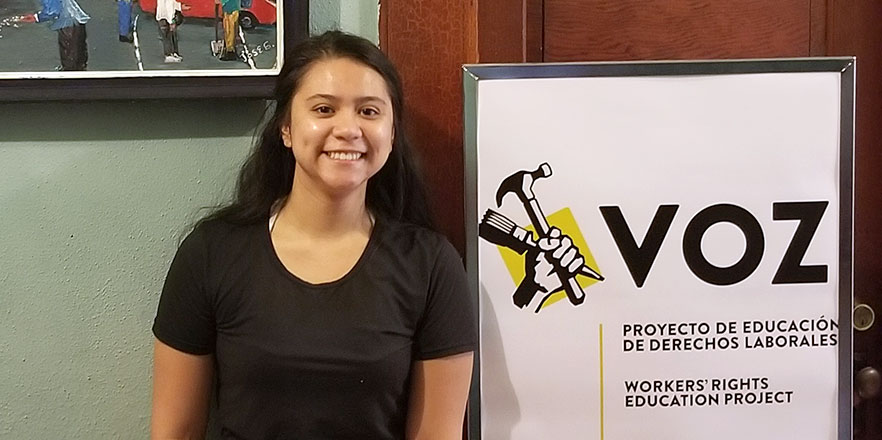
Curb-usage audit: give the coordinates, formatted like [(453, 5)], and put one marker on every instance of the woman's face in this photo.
[(341, 126)]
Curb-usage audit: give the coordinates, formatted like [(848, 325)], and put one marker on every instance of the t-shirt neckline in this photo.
[(267, 244)]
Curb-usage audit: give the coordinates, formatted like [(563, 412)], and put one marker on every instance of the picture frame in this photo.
[(134, 66), (654, 137)]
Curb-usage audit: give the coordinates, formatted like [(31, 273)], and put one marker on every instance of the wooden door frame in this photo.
[(429, 41)]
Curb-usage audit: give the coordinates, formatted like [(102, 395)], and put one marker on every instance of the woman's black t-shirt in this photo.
[(315, 361)]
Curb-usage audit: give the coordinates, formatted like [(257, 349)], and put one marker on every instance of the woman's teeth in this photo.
[(339, 155)]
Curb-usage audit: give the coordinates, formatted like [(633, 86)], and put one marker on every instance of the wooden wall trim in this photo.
[(429, 41), (502, 30), (622, 30), (534, 30), (818, 28)]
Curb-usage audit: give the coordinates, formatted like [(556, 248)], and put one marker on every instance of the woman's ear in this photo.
[(286, 135)]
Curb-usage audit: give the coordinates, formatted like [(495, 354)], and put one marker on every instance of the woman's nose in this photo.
[(347, 125)]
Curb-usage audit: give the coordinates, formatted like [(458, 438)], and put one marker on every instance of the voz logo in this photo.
[(553, 264), (639, 259)]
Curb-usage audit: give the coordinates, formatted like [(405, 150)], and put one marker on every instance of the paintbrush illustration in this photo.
[(500, 230)]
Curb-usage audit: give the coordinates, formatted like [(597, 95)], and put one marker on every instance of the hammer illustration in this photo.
[(502, 231), (521, 183)]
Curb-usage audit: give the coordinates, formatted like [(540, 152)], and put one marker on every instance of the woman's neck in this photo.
[(319, 215)]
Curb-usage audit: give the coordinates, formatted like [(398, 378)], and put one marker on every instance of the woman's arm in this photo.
[(181, 390), (438, 396)]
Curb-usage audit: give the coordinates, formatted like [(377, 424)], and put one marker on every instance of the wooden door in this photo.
[(429, 40), (601, 30)]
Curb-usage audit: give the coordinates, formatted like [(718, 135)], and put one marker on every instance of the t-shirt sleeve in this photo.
[(448, 324), (185, 317)]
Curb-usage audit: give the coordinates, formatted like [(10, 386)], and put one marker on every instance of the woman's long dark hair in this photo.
[(396, 191)]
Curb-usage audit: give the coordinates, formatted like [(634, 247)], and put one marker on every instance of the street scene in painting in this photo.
[(38, 36)]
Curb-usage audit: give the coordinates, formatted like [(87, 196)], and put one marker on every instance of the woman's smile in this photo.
[(344, 155)]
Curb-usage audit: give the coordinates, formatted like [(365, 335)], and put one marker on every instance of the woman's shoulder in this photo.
[(212, 232), (217, 243), (217, 226)]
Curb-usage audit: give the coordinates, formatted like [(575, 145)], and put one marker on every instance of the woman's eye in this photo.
[(370, 111), (324, 109)]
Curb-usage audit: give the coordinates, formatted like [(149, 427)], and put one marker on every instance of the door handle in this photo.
[(867, 383)]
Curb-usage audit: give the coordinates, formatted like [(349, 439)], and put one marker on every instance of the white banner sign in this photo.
[(661, 256)]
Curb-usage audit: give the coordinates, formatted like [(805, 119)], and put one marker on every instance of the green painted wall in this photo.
[(92, 206), (94, 197), (360, 17)]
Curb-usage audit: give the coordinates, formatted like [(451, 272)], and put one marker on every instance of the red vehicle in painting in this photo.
[(253, 13)]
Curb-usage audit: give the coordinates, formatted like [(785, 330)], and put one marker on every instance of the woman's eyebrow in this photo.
[(360, 100), (371, 99), (322, 96)]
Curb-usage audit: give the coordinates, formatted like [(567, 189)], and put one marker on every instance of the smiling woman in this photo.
[(320, 298)]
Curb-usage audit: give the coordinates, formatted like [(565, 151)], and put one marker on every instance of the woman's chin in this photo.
[(345, 187)]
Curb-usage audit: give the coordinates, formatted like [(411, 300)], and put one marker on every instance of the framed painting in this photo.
[(144, 49)]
